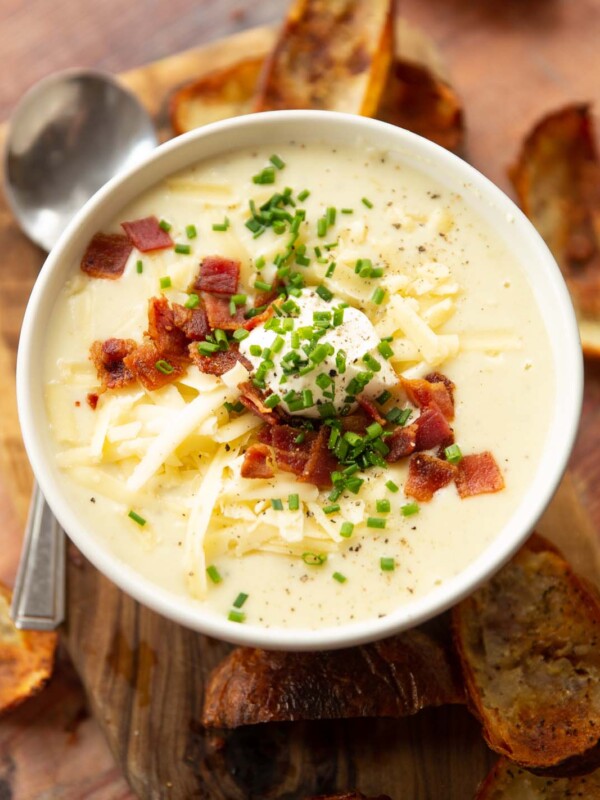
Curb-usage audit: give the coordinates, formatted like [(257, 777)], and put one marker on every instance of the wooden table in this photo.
[(51, 746)]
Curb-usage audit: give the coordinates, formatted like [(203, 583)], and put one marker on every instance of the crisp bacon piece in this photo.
[(478, 474), (258, 462), (433, 429), (142, 363), (357, 422), (252, 398), (108, 358), (218, 363), (321, 462), (170, 341), (106, 256), (192, 321), (266, 298), (424, 393), (402, 443), (218, 275), (290, 455), (92, 400), (259, 319), (219, 315), (371, 409), (427, 474), (438, 377), (147, 235)]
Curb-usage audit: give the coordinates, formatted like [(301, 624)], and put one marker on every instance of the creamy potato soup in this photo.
[(297, 387)]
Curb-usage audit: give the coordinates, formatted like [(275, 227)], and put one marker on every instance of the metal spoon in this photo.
[(68, 136)]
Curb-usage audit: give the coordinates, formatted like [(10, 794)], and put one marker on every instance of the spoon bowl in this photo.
[(69, 135)]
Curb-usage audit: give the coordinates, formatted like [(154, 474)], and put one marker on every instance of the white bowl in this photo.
[(309, 126)]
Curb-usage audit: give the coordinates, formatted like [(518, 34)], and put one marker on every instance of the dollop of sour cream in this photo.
[(331, 380)]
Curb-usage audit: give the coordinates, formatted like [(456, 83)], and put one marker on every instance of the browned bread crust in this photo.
[(508, 782), (529, 646), (395, 677)]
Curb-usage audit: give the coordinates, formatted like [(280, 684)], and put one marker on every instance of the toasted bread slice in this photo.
[(508, 782), (557, 180), (221, 94), (330, 54), (26, 658), (393, 678), (529, 646)]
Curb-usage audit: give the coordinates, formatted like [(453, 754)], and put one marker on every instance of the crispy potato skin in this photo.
[(330, 54), (26, 658), (395, 677), (508, 782), (557, 180), (529, 646)]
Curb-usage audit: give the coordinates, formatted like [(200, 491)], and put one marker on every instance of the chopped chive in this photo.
[(240, 600), (276, 504), (183, 249), (346, 529), (366, 202), (383, 397), (191, 232), (240, 334), (164, 367), (314, 559), (322, 227), (307, 398), (166, 226), (324, 293), (337, 576), (453, 454), (387, 564), (372, 362), (263, 286), (221, 226), (259, 263), (409, 509), (165, 282), (383, 506), (330, 270), (376, 522), (272, 400), (326, 410), (303, 195), (300, 438), (277, 162), (207, 348), (332, 509), (393, 487), (330, 216), (239, 299), (340, 361), (265, 176), (139, 266), (385, 349), (378, 296), (214, 574), (236, 616), (136, 518), (294, 502), (347, 210), (193, 301)]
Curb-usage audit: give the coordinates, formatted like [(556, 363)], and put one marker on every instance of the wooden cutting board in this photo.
[(144, 676)]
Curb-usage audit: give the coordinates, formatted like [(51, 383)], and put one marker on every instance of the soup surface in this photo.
[(373, 276)]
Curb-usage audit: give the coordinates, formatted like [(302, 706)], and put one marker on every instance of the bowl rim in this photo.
[(180, 609)]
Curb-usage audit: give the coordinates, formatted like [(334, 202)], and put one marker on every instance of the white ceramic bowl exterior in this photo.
[(308, 126)]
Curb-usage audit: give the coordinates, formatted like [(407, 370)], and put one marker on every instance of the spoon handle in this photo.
[(39, 597)]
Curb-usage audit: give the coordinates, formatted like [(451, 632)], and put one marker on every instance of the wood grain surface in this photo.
[(144, 675)]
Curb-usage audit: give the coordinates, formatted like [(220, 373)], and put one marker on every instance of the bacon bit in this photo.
[(106, 256), (433, 429), (258, 462), (218, 275), (371, 409), (402, 443), (259, 319), (109, 359), (219, 316), (427, 474), (478, 474), (356, 423), (252, 398), (142, 363), (92, 400), (321, 462), (424, 393), (438, 377), (192, 321), (266, 298), (170, 341), (218, 363), (147, 235)]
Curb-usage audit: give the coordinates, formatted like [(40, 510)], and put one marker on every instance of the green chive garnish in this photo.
[(387, 564), (276, 504), (221, 226), (393, 487), (164, 367), (294, 502), (409, 509), (183, 249), (378, 296), (385, 349), (165, 282), (303, 195), (277, 162), (240, 600), (139, 266), (207, 348), (241, 334), (191, 232), (383, 506), (322, 227), (365, 201), (314, 559), (265, 176), (236, 616), (136, 518), (214, 574), (383, 397), (272, 400), (376, 522), (264, 287), (337, 576), (347, 210), (453, 454), (324, 293), (346, 529), (332, 509), (193, 301), (166, 226)]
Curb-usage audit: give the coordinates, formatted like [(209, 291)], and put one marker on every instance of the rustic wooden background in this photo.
[(510, 60)]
